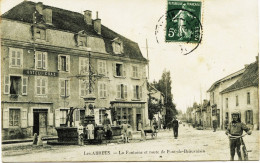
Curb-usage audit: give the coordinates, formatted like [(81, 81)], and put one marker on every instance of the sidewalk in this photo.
[(45, 138)]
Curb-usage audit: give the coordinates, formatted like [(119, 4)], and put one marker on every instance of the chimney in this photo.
[(47, 16), (256, 58), (88, 17), (97, 25), (246, 65), (39, 7)]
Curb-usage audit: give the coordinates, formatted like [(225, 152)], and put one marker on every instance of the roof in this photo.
[(74, 22), (235, 74), (249, 78)]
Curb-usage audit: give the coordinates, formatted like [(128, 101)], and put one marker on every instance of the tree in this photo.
[(164, 86), (153, 108)]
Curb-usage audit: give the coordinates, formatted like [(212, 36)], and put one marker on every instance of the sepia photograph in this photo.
[(129, 80)]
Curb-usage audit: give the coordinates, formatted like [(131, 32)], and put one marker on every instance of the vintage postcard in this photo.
[(132, 80)]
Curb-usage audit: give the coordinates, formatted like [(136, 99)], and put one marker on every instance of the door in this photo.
[(82, 115), (36, 123), (138, 119), (43, 123)]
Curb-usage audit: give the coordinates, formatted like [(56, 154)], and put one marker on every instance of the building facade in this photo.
[(232, 92), (243, 95), (52, 59)]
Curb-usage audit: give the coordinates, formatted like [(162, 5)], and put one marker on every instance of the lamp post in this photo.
[(90, 98)]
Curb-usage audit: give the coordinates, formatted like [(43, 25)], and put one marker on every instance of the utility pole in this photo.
[(147, 58)]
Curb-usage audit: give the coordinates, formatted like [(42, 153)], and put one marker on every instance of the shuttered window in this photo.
[(64, 87), (41, 85), (83, 65), (64, 63), (41, 60), (102, 67), (15, 58), (249, 117), (14, 117)]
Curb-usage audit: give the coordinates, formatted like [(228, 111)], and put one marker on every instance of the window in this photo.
[(16, 58), (102, 67), (82, 41), (40, 34), (83, 65), (15, 85), (237, 103), (121, 91), (135, 72), (248, 97), (249, 117), (64, 88), (101, 116), (102, 90), (14, 117), (124, 114), (84, 91), (63, 63), (117, 46), (41, 60), (119, 69), (226, 102), (137, 92), (41, 85), (63, 116)]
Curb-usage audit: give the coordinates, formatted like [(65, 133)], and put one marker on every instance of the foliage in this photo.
[(164, 86), (153, 108)]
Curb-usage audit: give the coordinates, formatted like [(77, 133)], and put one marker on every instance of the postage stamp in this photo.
[(183, 21)]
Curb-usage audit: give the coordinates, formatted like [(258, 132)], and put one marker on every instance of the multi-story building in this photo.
[(243, 95), (54, 58), (226, 93)]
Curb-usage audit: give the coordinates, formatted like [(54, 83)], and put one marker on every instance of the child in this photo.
[(80, 134), (100, 133)]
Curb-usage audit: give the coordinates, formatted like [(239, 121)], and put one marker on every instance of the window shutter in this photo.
[(57, 118), (105, 89), (118, 95), (114, 69), (24, 118), (25, 83), (124, 70), (68, 88), (7, 85), (134, 90), (50, 119), (104, 67), (246, 117), (44, 60), (144, 72), (141, 92), (139, 70), (30, 119), (39, 60), (62, 87), (19, 58), (67, 63), (100, 67), (76, 117), (99, 90), (6, 118), (59, 62), (125, 91), (251, 117)]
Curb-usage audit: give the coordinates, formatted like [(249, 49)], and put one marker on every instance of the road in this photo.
[(192, 145)]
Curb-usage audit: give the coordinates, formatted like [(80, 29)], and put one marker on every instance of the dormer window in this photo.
[(117, 46), (81, 39), (40, 34)]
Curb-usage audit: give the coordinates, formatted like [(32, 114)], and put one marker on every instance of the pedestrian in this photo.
[(107, 127), (215, 125), (175, 126), (125, 132), (236, 128), (80, 134), (100, 133), (90, 130)]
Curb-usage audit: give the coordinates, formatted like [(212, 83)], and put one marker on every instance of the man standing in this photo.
[(175, 126), (236, 128)]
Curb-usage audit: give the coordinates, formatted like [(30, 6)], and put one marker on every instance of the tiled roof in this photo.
[(249, 78), (74, 22)]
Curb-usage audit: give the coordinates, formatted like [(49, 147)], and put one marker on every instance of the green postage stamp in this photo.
[(183, 21)]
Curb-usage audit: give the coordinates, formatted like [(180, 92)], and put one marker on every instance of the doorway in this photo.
[(40, 121), (138, 118)]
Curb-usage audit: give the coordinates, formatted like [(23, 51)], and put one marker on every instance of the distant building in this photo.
[(157, 97), (47, 54), (226, 93)]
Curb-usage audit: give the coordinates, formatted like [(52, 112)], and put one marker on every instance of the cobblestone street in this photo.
[(192, 145)]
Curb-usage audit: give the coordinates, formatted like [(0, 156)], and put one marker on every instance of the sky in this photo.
[(229, 41)]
